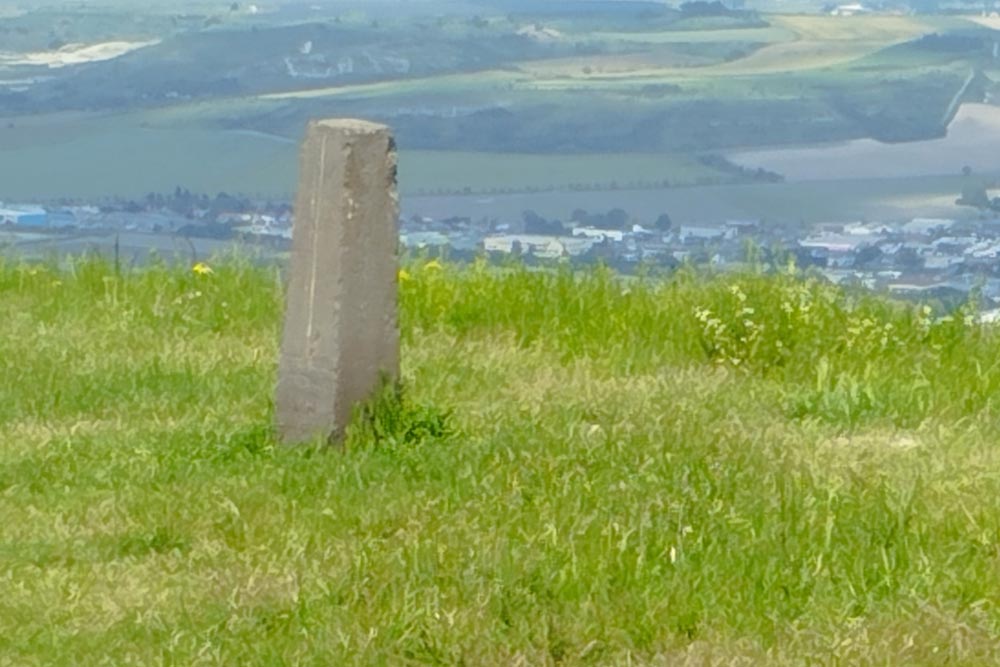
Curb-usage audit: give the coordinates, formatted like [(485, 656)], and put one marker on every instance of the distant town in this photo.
[(929, 258)]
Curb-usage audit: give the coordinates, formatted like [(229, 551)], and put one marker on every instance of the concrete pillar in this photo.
[(341, 338)]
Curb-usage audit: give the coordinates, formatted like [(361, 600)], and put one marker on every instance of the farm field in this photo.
[(804, 203), (83, 163), (791, 44), (88, 156), (973, 140), (92, 157), (721, 35), (425, 171), (741, 470)]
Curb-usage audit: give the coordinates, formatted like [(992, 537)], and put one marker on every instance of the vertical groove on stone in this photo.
[(341, 333)]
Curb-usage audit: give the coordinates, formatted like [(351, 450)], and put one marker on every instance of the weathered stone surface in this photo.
[(341, 337)]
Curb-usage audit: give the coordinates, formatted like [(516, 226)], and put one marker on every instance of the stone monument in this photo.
[(341, 337)]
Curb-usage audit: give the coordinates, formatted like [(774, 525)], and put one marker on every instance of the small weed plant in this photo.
[(391, 419)]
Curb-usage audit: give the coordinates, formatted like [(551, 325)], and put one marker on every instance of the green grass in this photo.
[(695, 470)]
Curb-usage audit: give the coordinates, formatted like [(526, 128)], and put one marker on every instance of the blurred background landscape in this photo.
[(489, 96), (512, 117)]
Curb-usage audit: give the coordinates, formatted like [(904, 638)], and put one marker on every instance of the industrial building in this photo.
[(24, 216)]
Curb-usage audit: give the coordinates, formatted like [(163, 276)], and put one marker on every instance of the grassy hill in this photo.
[(695, 470)]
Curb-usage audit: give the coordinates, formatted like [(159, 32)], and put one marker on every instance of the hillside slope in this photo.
[(741, 470)]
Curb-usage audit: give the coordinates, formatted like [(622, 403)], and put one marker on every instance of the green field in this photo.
[(792, 43), (90, 157), (741, 470), (93, 156), (801, 203), (425, 171), (757, 35)]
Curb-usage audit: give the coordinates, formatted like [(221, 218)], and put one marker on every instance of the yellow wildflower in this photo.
[(202, 269), (404, 275), (433, 265)]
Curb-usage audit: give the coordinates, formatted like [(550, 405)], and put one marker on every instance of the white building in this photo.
[(616, 235), (537, 245), (852, 9)]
